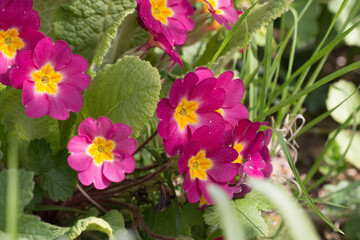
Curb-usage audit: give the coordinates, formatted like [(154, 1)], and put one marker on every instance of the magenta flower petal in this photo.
[(36, 105), (58, 54), (170, 18), (88, 128), (192, 189), (79, 161), (94, 174), (190, 106), (204, 73), (189, 151), (26, 4), (42, 69), (224, 170), (182, 89), (4, 69), (234, 88), (113, 172), (78, 64), (102, 152)]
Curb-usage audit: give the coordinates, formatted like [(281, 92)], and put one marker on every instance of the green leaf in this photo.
[(83, 23), (337, 93), (116, 221), (263, 13), (1, 154), (30, 227), (21, 126), (26, 186), (48, 10), (115, 41), (57, 232), (299, 224), (248, 212), (60, 181), (127, 92), (191, 215), (56, 176), (40, 159), (163, 223), (90, 224), (343, 140)]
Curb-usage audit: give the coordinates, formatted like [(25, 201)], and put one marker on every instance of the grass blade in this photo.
[(231, 33), (297, 177)]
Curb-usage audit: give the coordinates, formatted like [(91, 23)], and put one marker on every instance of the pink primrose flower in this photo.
[(102, 152), (205, 160), (191, 105), (52, 79), (223, 11), (18, 32), (232, 110), (168, 17), (251, 145), (26, 4)]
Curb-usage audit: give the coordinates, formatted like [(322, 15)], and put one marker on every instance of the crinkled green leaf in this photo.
[(337, 93), (30, 227), (126, 92), (248, 211), (264, 12), (83, 23), (58, 232), (21, 126), (60, 180), (115, 41), (48, 10), (90, 224)]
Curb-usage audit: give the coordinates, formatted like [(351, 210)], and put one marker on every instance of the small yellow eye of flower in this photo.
[(160, 11), (46, 80), (198, 165), (185, 113), (10, 42), (101, 150), (238, 147), (213, 5)]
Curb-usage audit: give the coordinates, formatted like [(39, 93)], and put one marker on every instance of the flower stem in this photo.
[(90, 199), (146, 142)]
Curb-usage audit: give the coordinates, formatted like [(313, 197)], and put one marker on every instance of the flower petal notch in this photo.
[(102, 152), (52, 79), (19, 26)]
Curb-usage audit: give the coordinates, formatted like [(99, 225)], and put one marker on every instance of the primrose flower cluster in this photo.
[(205, 122), (51, 77), (169, 21)]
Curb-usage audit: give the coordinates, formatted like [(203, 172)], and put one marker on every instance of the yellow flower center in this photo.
[(185, 113), (160, 11), (203, 201), (10, 42), (46, 79), (220, 111), (238, 147), (198, 166), (213, 5), (101, 150)]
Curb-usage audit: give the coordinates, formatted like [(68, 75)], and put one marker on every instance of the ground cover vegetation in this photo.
[(179, 119)]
